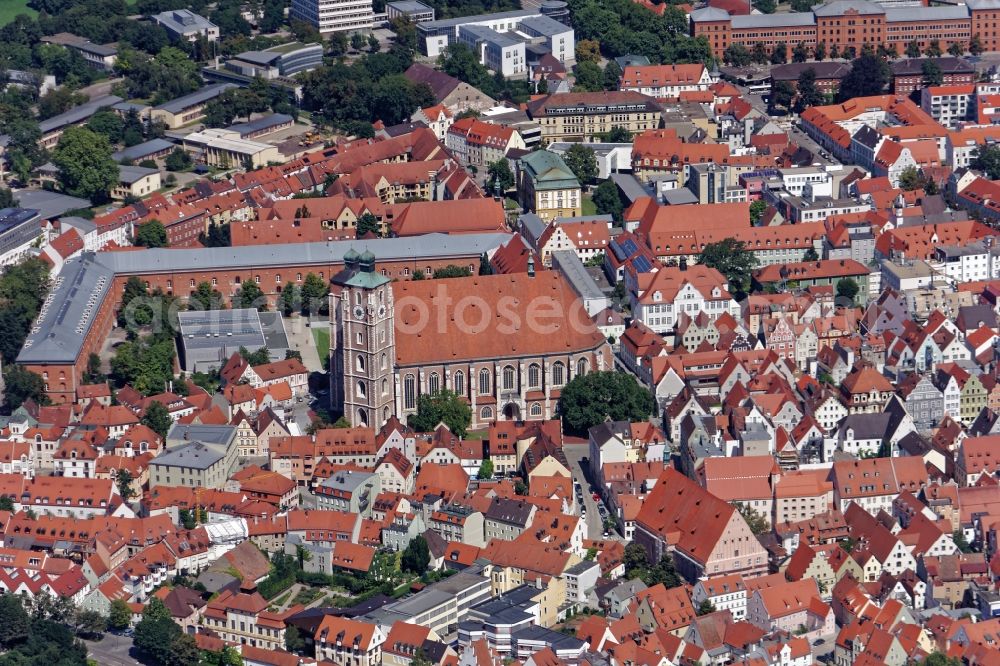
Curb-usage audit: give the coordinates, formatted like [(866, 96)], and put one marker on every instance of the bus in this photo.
[(759, 88)]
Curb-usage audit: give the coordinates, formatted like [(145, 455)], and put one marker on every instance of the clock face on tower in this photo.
[(359, 312), (381, 311)]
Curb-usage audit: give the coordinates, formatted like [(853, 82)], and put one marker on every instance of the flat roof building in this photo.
[(334, 15), (184, 24), (98, 56), (19, 229), (281, 60), (227, 149), (416, 11), (207, 338), (189, 108)]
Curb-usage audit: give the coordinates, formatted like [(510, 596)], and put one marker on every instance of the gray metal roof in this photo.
[(218, 435), (982, 4), (67, 312), (142, 150), (50, 205), (840, 7), (272, 120), (197, 97), (85, 280), (573, 270), (81, 224), (480, 18), (194, 455), (131, 174), (262, 256), (258, 57), (410, 6), (926, 13), (793, 19), (78, 113), (207, 329), (543, 25), (183, 21), (709, 14)]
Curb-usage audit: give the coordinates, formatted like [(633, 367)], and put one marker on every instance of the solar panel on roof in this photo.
[(630, 246), (642, 264)]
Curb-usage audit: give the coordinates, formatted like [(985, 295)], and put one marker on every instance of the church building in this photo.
[(506, 343)]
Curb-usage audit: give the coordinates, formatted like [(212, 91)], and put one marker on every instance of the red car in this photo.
[(597, 498)]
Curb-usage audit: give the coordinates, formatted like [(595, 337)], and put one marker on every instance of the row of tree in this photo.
[(739, 55)]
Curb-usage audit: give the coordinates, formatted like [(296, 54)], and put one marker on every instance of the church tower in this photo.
[(363, 354)]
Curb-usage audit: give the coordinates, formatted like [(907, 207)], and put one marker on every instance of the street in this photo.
[(797, 136), (111, 650), (575, 453)]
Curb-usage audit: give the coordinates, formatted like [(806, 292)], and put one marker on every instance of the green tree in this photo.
[(612, 75), (206, 297), (807, 93), (737, 55), (123, 479), (736, 263), (958, 536), (7, 199), (757, 209), (782, 94), (178, 160), (451, 271), (442, 407), (634, 559), (368, 223), (987, 160), (259, 357), (582, 161), (779, 54), (357, 41), (249, 295), (801, 5), (664, 572), (705, 607), (6, 503), (940, 659), (120, 616), (499, 177), (151, 234), (933, 49), (618, 134), (314, 295), (766, 6), (801, 52), (59, 100), (931, 72), (14, 621), (956, 49), (819, 52), (86, 168), (757, 522), (22, 384), (294, 642), (157, 418), (486, 470), (847, 288), (588, 50), (975, 45), (869, 76), (590, 399), (588, 77), (416, 557), (90, 623), (913, 49), (607, 201), (910, 179), (810, 255)]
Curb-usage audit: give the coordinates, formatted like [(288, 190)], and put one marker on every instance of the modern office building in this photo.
[(189, 108), (184, 24), (98, 56), (414, 10), (207, 338), (281, 60), (19, 229), (334, 15), (501, 40)]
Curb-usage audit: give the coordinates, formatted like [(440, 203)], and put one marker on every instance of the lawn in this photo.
[(11, 8), (587, 205), (322, 338)]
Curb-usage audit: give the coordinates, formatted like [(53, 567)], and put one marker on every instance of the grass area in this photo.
[(587, 205), (322, 338), (477, 434), (11, 8), (307, 595)]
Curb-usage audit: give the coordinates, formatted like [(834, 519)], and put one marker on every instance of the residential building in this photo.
[(585, 116), (183, 24), (547, 187)]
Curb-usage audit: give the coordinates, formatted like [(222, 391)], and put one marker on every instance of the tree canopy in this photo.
[(589, 399), (416, 556), (869, 75), (86, 168), (987, 160), (151, 234), (442, 407), (736, 263), (582, 161)]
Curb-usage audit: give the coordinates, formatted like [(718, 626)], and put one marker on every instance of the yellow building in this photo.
[(587, 116), (547, 187)]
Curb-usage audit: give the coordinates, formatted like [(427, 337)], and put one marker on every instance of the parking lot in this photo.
[(576, 455)]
